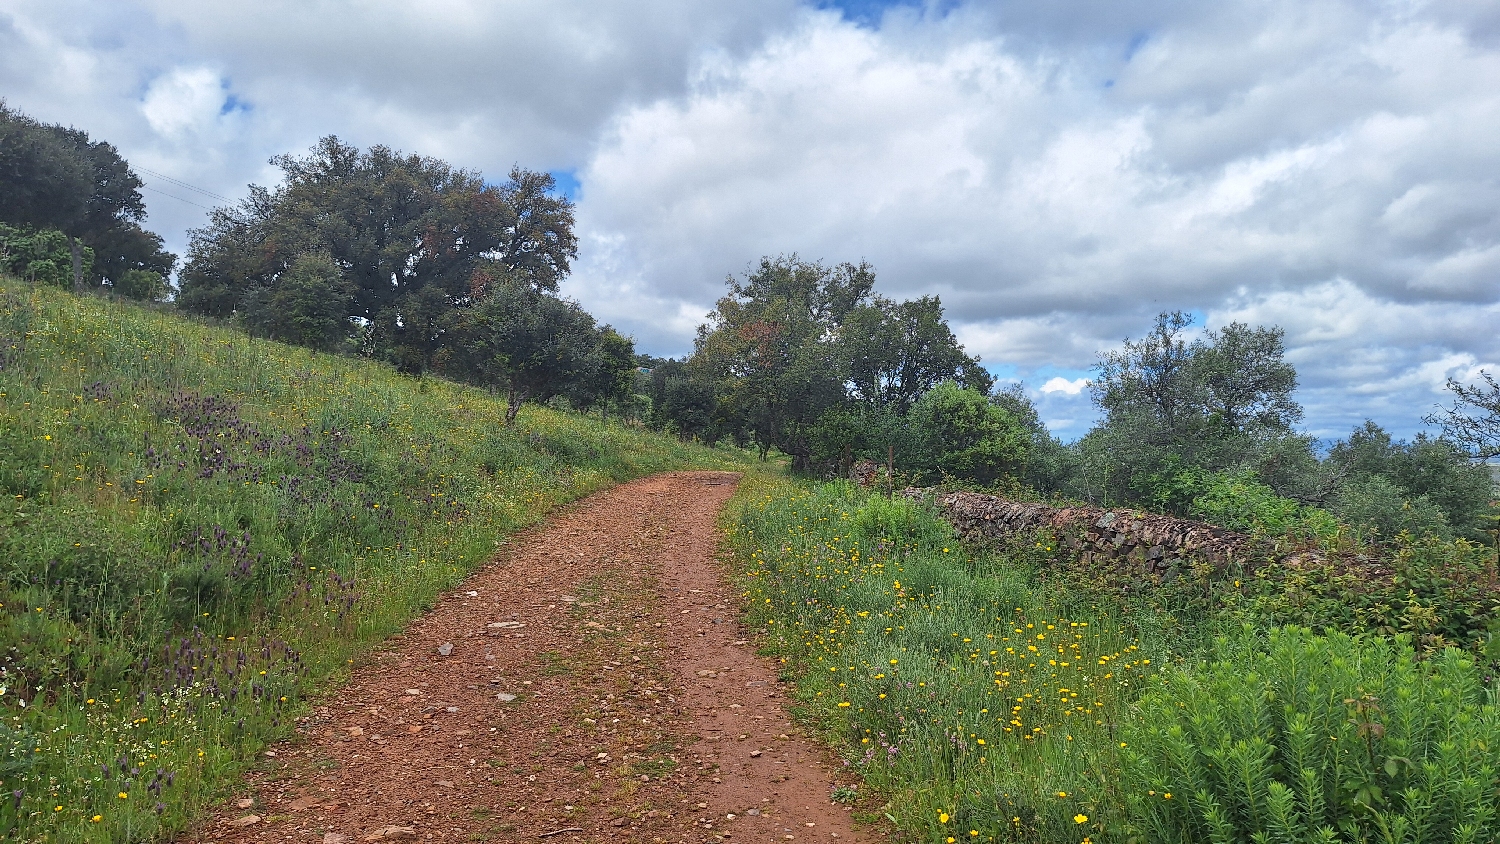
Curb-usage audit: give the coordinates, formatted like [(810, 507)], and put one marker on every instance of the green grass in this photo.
[(198, 529), (985, 698), (983, 706)]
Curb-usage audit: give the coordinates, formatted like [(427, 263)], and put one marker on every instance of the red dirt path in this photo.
[(639, 713)]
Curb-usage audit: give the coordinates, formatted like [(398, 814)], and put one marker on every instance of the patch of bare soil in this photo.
[(592, 684)]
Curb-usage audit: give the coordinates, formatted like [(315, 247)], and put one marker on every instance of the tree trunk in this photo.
[(77, 249), (513, 400)]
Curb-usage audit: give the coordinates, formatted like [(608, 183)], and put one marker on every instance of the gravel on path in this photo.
[(592, 684)]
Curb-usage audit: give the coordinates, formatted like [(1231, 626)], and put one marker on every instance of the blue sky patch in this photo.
[(567, 183)]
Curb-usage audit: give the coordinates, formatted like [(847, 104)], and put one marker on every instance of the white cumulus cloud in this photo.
[(1063, 385)]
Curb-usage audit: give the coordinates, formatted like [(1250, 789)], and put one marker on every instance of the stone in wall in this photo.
[(1145, 543)]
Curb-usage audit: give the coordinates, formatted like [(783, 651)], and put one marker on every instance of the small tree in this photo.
[(309, 304), (530, 344), (893, 352), (1173, 404), (1473, 422), (607, 375), (963, 435)]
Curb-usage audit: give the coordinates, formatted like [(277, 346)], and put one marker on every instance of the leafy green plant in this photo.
[(1307, 738), (42, 256), (1238, 501)]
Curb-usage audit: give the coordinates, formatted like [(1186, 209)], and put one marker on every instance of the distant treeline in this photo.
[(805, 359)]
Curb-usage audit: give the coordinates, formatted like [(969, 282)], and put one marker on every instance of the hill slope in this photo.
[(197, 528)]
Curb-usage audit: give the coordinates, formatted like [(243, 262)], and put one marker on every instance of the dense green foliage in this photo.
[(1315, 739), (409, 260), (1009, 695), (44, 256), (1205, 428), (55, 178), (198, 527), (806, 359)]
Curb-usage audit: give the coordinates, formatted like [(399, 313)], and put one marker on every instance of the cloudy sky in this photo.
[(1058, 172)]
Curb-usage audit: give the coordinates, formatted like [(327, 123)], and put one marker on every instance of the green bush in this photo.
[(1384, 511), (40, 256), (1315, 739), (1238, 501), (1444, 593), (144, 285), (963, 435)]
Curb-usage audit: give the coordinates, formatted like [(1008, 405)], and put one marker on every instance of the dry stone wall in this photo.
[(1145, 543)]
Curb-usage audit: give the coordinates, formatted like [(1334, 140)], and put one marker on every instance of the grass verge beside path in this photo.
[(982, 706), (981, 700), (197, 529)]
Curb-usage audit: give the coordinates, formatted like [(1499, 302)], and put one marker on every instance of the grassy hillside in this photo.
[(198, 528)]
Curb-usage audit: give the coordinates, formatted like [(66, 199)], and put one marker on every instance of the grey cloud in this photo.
[(484, 85), (1268, 147)]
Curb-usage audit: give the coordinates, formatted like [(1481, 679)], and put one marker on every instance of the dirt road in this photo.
[(592, 684)]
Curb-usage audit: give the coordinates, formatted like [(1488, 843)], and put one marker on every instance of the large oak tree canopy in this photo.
[(414, 237)]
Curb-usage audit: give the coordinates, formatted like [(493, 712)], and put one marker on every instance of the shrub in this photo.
[(1379, 507), (1238, 501), (142, 284), (1316, 738), (963, 435)]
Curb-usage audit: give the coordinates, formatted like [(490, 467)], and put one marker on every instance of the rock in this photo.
[(354, 732), (754, 754), (335, 838), (505, 697), (244, 803), (504, 625), (445, 783), (248, 820), (392, 833), (865, 472), (413, 692), (445, 649)]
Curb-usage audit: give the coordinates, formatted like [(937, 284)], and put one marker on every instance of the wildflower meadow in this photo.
[(980, 701), (199, 529)]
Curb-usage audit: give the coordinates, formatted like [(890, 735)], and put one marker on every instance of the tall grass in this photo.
[(197, 529), (985, 707), (983, 702)]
